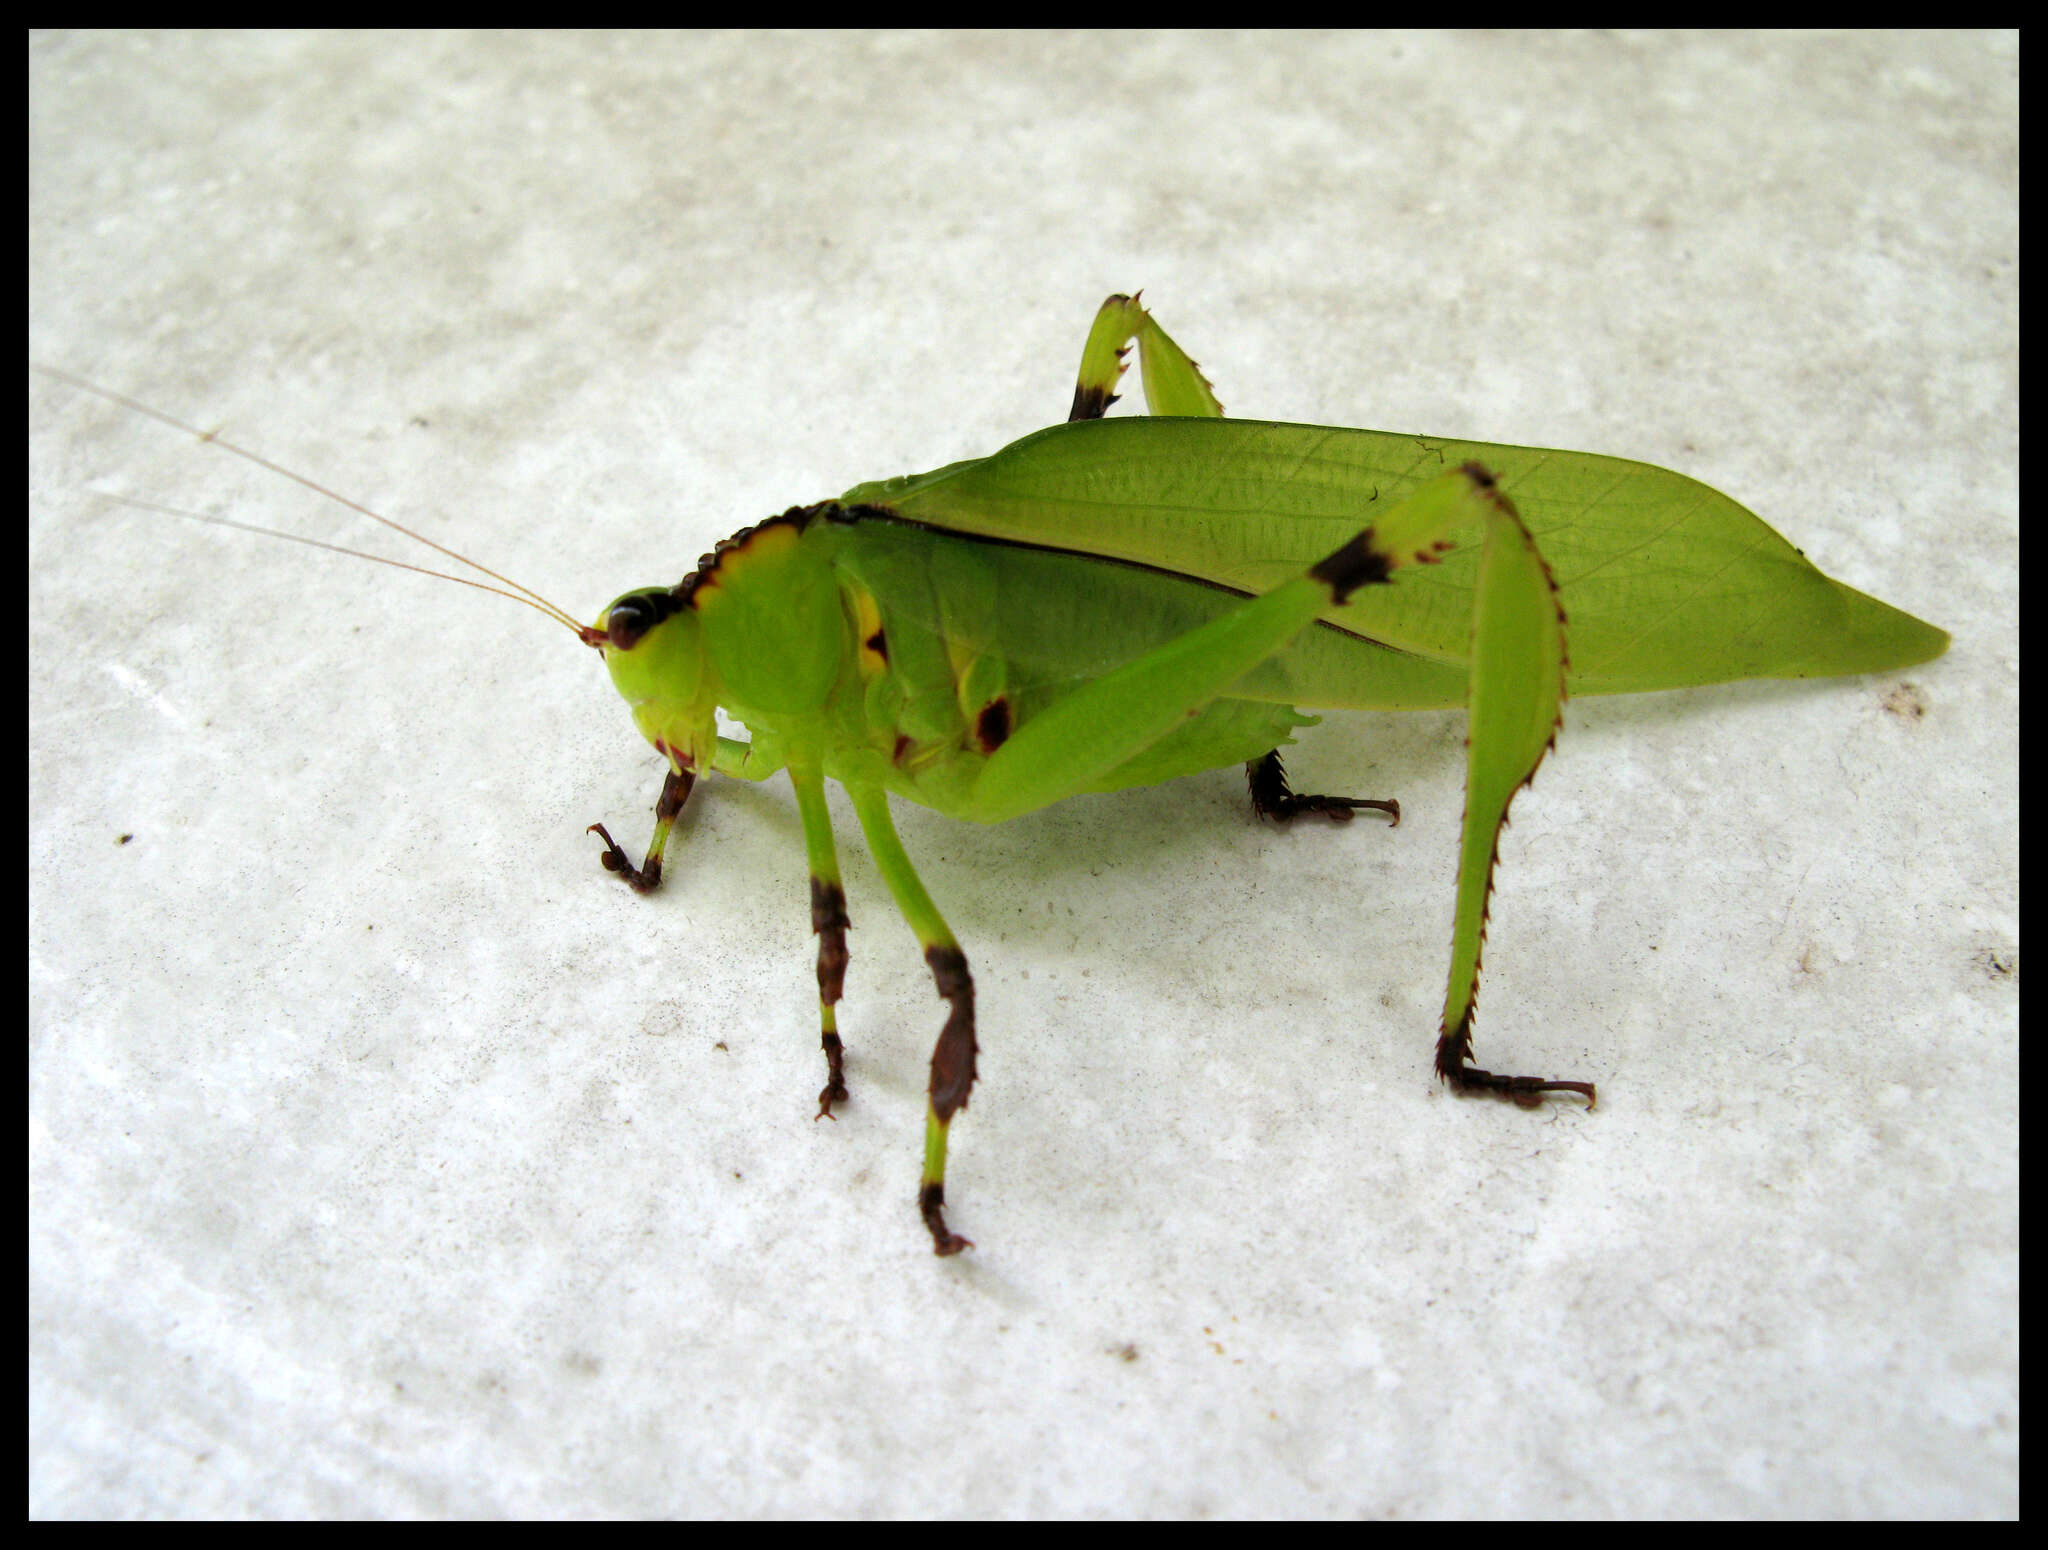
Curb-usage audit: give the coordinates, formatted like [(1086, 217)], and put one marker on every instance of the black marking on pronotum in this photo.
[(992, 727), (796, 518), (878, 643), (706, 573), (1357, 564)]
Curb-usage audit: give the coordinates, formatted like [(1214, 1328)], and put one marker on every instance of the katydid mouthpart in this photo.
[(1116, 603)]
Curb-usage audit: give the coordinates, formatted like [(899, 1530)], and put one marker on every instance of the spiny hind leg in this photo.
[(646, 877), (1454, 1067), (1514, 706), (1173, 383), (953, 1057), (1274, 798)]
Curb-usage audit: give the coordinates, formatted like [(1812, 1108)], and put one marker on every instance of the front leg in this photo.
[(646, 877)]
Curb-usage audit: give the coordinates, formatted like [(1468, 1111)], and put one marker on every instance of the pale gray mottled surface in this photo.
[(386, 1158)]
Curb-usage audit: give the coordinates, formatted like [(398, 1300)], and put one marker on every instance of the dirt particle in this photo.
[(1906, 701)]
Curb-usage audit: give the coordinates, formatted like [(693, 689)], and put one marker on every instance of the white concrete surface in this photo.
[(388, 1159)]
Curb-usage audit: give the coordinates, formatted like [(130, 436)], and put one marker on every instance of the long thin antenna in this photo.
[(319, 543), (518, 593)]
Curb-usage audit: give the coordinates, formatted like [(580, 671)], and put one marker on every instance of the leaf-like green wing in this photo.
[(1667, 583)]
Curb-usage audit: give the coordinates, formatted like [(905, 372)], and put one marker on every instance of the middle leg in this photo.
[(953, 1057), (829, 922)]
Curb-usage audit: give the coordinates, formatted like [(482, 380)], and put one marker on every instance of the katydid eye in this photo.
[(633, 615)]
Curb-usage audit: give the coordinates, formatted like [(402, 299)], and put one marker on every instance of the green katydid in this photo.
[(1114, 603)]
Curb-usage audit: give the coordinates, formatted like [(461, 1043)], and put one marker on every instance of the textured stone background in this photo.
[(385, 1158)]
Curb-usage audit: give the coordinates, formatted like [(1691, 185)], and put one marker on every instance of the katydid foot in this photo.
[(1454, 1066), (645, 878), (834, 1090), (931, 1200), (1273, 798)]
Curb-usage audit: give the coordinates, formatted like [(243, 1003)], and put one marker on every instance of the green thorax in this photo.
[(892, 654)]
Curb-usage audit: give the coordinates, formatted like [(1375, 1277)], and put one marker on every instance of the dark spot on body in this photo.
[(992, 726), (1357, 564)]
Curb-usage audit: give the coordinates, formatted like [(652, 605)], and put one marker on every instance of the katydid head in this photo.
[(653, 647)]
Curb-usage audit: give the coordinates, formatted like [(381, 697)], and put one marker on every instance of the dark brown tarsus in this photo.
[(1273, 798), (645, 878), (1454, 1051), (931, 1201)]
